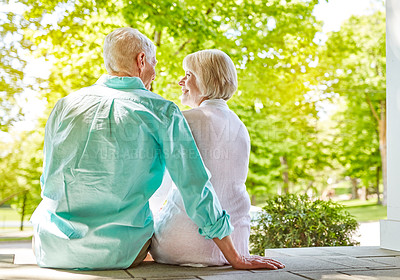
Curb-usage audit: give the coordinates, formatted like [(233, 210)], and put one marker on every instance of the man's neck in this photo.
[(124, 74)]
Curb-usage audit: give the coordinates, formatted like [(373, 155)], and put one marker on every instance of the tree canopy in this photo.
[(354, 67), (285, 75)]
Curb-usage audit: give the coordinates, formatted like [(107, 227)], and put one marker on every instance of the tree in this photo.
[(12, 64), (357, 145), (354, 66), (286, 152), (271, 43), (20, 170), (20, 159)]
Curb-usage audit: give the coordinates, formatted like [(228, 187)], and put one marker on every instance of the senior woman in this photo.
[(223, 141)]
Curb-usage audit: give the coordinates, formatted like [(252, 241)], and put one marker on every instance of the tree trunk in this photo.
[(285, 174), (377, 184), (253, 199), (310, 190), (382, 149), (354, 184), (381, 120), (364, 193), (21, 228), (157, 37)]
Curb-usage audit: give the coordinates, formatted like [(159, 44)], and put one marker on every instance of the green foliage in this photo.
[(20, 170), (282, 72), (20, 157), (297, 221), (353, 68), (271, 44), (12, 63), (282, 132)]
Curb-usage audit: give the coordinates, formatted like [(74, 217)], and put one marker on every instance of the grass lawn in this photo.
[(9, 234), (16, 239), (365, 211), (9, 214)]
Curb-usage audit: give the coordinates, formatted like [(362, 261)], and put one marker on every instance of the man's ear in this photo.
[(140, 60)]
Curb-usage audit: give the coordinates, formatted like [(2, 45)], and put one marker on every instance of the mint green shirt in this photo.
[(106, 150)]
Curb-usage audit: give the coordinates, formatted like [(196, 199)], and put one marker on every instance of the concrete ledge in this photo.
[(390, 230), (372, 263)]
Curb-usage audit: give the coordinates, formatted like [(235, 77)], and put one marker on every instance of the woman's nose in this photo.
[(181, 82)]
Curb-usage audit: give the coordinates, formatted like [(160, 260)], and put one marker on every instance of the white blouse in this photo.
[(224, 145)]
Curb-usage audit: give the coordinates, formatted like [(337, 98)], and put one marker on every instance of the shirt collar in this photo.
[(116, 82), (215, 103)]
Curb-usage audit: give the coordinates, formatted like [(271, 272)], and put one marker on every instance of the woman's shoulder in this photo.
[(196, 114), (194, 111), (213, 114)]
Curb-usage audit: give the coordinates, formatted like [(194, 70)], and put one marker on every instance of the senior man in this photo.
[(106, 150)]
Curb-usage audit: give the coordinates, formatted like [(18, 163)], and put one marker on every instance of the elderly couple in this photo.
[(107, 148)]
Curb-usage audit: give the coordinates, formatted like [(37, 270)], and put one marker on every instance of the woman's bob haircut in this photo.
[(214, 71), (121, 48)]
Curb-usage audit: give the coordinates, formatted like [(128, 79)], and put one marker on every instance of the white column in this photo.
[(390, 228)]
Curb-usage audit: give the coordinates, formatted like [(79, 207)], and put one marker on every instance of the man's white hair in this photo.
[(214, 71), (121, 48)]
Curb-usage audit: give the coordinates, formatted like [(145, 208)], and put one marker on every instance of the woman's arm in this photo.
[(240, 262)]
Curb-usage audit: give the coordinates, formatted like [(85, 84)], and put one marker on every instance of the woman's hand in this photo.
[(240, 262), (256, 262)]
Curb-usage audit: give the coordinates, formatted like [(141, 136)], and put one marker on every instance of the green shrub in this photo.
[(290, 221)]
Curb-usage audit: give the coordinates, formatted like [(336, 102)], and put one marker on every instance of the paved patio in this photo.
[(369, 262)]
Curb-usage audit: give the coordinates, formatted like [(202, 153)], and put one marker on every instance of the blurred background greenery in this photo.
[(314, 103)]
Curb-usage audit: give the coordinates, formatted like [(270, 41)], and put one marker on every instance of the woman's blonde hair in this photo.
[(214, 71), (122, 46)]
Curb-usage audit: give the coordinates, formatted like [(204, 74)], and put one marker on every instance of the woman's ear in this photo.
[(140, 60)]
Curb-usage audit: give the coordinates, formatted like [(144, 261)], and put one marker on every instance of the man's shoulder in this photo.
[(135, 98), (141, 96), (132, 102), (151, 100)]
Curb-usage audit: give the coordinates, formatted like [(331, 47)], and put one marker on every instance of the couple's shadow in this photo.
[(151, 269)]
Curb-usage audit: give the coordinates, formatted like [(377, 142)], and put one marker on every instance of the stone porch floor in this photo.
[(342, 263)]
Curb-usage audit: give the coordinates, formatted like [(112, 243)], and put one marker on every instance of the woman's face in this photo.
[(191, 95)]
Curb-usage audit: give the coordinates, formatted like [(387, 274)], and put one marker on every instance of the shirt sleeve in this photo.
[(191, 177), (48, 139)]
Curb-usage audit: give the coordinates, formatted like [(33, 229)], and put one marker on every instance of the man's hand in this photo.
[(240, 262), (256, 262)]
